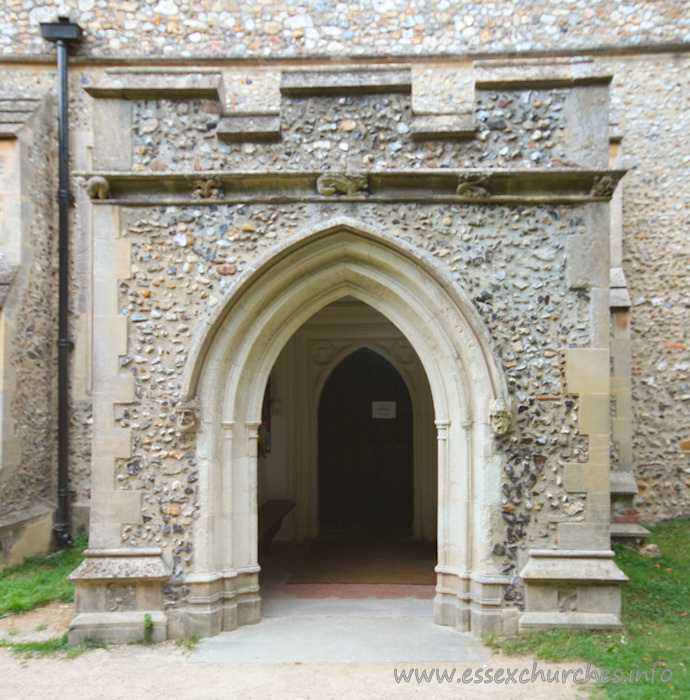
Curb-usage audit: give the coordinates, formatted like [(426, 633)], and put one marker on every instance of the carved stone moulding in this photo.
[(528, 186), (207, 188), (403, 353), (473, 185), (322, 353), (96, 186), (186, 417), (344, 183), (604, 186), (500, 416)]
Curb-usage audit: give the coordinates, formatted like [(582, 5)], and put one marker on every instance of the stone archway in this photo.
[(228, 372)]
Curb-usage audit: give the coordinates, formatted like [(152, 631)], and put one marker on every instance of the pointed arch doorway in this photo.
[(230, 366), (353, 447), (344, 346), (365, 454)]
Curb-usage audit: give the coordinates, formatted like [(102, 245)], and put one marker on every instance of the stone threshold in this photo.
[(342, 639)]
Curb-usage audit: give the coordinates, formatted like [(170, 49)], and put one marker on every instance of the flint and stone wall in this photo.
[(183, 207), (511, 260), (649, 104), (28, 330), (537, 272), (230, 28), (656, 195)]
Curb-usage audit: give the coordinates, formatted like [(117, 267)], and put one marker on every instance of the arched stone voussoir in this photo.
[(231, 363), (363, 255)]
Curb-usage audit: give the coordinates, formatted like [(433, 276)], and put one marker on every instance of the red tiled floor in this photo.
[(277, 568), (350, 590)]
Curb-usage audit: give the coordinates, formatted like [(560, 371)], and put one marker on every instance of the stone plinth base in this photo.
[(469, 602), (217, 602), (119, 627), (572, 589), (538, 622), (114, 591)]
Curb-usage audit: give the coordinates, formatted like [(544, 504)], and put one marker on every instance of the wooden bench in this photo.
[(271, 516)]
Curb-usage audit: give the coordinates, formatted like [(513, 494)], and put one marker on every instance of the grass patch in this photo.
[(40, 580), (148, 629), (51, 647), (47, 647), (656, 618), (190, 643)]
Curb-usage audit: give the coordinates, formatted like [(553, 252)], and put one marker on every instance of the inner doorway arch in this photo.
[(228, 372), (290, 469), (366, 456)]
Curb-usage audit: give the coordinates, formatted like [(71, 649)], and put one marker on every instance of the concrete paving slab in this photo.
[(345, 639)]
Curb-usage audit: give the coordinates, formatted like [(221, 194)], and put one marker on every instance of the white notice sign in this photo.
[(383, 409)]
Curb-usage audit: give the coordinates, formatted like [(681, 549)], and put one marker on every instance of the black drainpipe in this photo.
[(63, 33)]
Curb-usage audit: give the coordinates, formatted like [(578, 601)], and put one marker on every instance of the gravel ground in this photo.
[(164, 671)]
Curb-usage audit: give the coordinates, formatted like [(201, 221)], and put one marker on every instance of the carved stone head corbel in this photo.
[(187, 417), (500, 416)]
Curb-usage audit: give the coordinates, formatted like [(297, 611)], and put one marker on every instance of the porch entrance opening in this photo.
[(348, 437)]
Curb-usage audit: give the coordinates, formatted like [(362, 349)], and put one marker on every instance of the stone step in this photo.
[(537, 621), (629, 531)]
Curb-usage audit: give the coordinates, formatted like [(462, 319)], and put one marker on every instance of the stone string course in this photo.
[(263, 29)]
